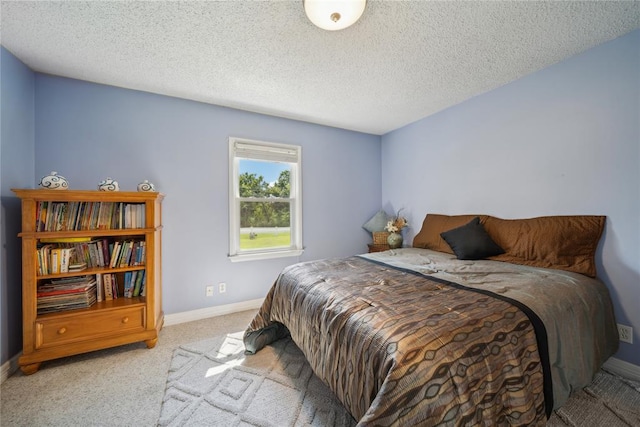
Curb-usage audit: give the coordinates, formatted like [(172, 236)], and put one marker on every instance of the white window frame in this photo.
[(241, 148)]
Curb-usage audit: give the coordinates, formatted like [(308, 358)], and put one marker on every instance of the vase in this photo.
[(54, 182), (108, 185), (146, 186), (394, 240)]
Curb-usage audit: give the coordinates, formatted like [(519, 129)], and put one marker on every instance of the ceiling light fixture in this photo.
[(334, 15)]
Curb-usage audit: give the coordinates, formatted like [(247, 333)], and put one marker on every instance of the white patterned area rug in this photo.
[(609, 401), (213, 383)]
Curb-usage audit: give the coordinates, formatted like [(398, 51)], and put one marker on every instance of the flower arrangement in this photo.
[(397, 224)]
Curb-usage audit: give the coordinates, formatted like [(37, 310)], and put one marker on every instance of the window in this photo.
[(265, 200)]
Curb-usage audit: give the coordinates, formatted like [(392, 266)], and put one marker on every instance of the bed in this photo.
[(483, 321)]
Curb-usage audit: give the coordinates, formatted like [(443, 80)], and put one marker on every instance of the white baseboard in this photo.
[(205, 313), (622, 368), (9, 367)]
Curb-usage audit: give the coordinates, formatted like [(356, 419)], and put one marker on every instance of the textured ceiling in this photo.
[(402, 61)]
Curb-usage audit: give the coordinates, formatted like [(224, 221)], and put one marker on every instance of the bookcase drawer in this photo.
[(63, 330)]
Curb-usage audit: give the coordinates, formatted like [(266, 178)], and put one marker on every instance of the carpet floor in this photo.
[(212, 383)]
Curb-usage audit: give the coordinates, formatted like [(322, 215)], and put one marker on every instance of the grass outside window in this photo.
[(265, 240)]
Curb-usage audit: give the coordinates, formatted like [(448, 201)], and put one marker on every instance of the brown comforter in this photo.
[(402, 348)]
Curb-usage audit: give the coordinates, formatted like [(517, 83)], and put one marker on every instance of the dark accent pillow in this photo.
[(435, 224), (471, 241)]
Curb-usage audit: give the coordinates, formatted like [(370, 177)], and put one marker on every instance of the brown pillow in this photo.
[(434, 224), (561, 242)]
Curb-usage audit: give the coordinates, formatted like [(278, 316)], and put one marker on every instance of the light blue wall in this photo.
[(87, 132), (564, 140), (17, 161)]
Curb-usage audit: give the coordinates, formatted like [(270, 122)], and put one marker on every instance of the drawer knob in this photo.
[(62, 330), (125, 319)]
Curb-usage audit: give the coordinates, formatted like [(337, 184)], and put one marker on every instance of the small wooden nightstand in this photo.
[(377, 248)]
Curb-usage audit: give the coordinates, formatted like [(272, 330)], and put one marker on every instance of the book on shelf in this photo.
[(121, 254), (54, 262), (134, 215), (66, 294), (65, 259), (96, 252), (83, 254), (143, 286), (99, 288), (114, 286), (125, 256), (139, 253), (54, 259), (43, 259), (94, 260), (70, 286), (100, 253), (115, 254), (41, 216), (107, 286), (106, 255), (130, 282), (110, 283), (127, 284), (138, 285), (100, 216), (125, 253), (79, 216), (64, 302), (77, 266), (65, 239)]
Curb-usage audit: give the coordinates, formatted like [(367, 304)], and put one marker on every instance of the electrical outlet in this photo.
[(210, 291), (626, 333), (222, 288)]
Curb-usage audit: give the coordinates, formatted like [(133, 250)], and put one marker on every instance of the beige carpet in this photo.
[(212, 383), (609, 401)]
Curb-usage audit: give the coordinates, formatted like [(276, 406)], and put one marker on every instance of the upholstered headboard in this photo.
[(561, 242)]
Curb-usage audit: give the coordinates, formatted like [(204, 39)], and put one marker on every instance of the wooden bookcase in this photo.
[(104, 324)]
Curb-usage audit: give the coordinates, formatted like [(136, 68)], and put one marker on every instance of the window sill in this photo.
[(265, 255)]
